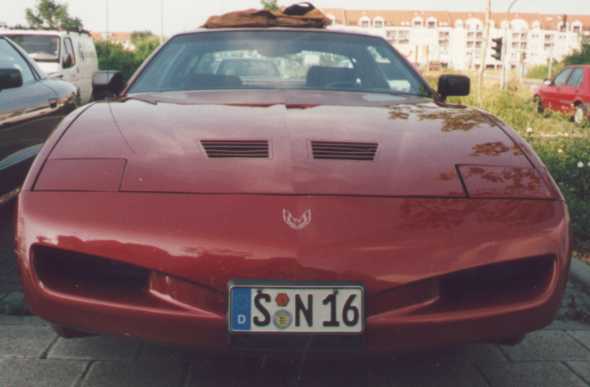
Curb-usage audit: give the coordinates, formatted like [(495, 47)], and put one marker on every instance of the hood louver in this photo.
[(328, 150), (254, 149)]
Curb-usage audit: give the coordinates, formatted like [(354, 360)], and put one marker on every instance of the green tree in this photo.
[(579, 57), (113, 56), (270, 5), (53, 15)]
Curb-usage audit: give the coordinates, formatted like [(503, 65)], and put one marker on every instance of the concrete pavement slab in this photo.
[(27, 341), (16, 372), (581, 368), (582, 337), (244, 371), (532, 374), (476, 354), (547, 345), (430, 373), (150, 351), (95, 348), (22, 321), (568, 325), (133, 374)]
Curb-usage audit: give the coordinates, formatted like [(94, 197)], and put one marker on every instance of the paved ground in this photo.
[(32, 355)]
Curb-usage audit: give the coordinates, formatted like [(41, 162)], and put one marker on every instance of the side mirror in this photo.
[(68, 61), (547, 82), (107, 84), (10, 78), (454, 85)]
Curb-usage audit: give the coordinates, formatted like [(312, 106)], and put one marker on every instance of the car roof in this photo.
[(12, 31), (30, 32)]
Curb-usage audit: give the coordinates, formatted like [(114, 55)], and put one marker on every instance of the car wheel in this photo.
[(580, 114), (539, 105)]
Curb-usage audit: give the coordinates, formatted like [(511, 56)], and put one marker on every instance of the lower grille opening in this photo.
[(501, 283), (90, 276)]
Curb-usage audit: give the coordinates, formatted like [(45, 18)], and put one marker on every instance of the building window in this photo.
[(417, 22), (562, 27), (431, 23), (365, 22), (378, 22), (474, 24)]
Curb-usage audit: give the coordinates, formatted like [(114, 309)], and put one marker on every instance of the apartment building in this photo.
[(455, 39)]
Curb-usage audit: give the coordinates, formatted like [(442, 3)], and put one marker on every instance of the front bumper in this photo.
[(405, 252)]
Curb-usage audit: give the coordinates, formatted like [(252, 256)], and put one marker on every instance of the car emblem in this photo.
[(297, 223)]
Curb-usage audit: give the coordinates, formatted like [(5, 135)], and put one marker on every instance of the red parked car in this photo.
[(341, 205), (568, 92)]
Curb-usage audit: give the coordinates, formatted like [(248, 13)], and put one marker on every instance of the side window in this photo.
[(392, 71), (576, 78), (69, 53), (562, 77), (10, 58)]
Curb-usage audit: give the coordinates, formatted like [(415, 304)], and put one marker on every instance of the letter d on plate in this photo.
[(241, 309)]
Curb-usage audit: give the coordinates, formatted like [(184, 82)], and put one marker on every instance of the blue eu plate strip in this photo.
[(241, 309)]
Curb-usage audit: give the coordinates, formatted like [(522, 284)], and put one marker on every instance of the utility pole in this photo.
[(107, 20), (484, 48), (161, 21), (505, 61)]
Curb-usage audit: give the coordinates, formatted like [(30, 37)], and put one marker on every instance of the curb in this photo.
[(580, 272), (14, 304)]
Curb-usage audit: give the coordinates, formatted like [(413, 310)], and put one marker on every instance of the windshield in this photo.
[(279, 60), (42, 48)]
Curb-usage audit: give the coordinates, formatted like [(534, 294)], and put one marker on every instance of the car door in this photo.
[(554, 91), (572, 89), (27, 116), (71, 69)]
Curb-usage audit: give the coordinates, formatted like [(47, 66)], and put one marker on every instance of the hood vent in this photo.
[(253, 149), (328, 150)]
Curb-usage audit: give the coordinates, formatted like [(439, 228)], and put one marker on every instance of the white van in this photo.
[(66, 55)]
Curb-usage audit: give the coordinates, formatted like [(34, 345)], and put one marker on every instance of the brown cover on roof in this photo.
[(254, 18)]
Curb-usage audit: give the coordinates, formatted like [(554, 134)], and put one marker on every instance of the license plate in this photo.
[(296, 309)]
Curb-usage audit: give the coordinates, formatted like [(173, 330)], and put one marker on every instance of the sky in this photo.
[(183, 15)]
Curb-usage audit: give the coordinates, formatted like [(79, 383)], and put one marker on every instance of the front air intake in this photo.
[(254, 149), (328, 150)]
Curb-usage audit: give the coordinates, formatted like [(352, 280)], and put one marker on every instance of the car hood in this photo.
[(49, 68), (419, 144)]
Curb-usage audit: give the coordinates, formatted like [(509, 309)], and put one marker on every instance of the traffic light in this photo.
[(497, 47)]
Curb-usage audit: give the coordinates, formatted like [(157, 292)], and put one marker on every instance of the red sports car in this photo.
[(339, 205)]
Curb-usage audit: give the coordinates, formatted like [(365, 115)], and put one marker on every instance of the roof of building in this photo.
[(404, 17)]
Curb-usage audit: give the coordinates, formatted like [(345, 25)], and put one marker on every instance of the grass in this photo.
[(563, 147)]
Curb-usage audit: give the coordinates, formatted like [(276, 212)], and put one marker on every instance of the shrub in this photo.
[(541, 71), (113, 56)]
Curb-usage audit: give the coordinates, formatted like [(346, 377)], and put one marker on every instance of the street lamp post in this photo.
[(107, 20), (161, 21), (505, 62)]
